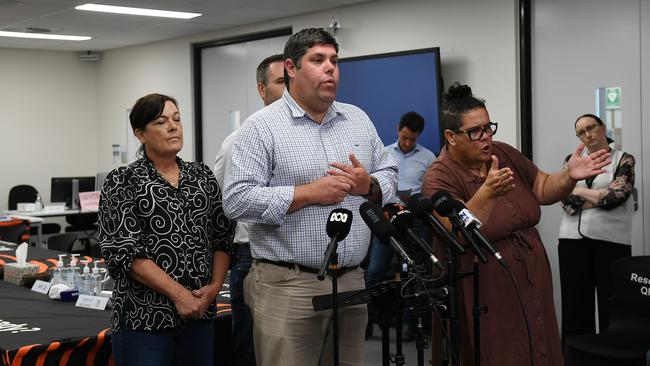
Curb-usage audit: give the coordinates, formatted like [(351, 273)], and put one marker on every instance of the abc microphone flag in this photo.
[(338, 226)]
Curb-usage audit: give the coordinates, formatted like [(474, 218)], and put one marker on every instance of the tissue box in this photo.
[(26, 206), (20, 274)]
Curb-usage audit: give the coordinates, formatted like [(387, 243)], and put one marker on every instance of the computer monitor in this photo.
[(99, 181), (66, 189)]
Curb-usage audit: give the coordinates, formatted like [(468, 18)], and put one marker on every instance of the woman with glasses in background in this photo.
[(594, 231), (504, 190)]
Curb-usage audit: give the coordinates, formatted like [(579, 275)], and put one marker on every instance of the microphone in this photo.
[(473, 224), (444, 205), (422, 207), (402, 219), (338, 227), (384, 230)]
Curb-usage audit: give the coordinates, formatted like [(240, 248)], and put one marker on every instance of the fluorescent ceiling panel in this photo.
[(137, 11), (43, 36)]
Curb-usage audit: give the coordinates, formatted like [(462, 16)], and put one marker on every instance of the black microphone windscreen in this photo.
[(398, 215), (444, 203), (338, 223), (373, 217), (419, 204)]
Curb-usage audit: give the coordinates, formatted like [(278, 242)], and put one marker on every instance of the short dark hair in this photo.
[(262, 73), (147, 109), (299, 43), (412, 121), (457, 100)]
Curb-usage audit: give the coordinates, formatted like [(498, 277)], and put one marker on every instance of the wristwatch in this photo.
[(374, 187)]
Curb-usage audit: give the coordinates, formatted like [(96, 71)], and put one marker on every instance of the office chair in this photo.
[(627, 340), (21, 193), (62, 242), (84, 224), (27, 193), (14, 231), (96, 251)]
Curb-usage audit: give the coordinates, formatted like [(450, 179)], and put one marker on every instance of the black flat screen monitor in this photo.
[(62, 189)]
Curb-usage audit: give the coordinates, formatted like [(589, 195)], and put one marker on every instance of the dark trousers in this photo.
[(242, 321), (190, 344), (585, 266)]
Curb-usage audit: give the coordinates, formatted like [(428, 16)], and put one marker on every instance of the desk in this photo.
[(33, 327), (46, 213), (36, 330), (36, 218), (45, 259)]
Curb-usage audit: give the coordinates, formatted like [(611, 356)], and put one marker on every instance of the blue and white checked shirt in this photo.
[(280, 147), (411, 166)]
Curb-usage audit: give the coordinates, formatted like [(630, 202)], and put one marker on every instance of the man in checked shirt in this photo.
[(292, 163)]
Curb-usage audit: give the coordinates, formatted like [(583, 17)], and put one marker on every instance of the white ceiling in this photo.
[(110, 31)]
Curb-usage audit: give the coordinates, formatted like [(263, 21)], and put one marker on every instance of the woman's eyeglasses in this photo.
[(587, 130), (476, 133)]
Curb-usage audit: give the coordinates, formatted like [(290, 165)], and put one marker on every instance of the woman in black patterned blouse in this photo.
[(595, 230), (166, 242)]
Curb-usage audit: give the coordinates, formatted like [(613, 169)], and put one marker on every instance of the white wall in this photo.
[(228, 84), (578, 46), (477, 41), (66, 114), (49, 119), (126, 74), (644, 165)]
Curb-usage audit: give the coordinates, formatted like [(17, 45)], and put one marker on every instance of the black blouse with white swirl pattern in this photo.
[(179, 229)]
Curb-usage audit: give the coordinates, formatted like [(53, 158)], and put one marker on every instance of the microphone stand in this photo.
[(477, 308), (421, 294), (477, 313), (334, 271), (331, 265), (454, 323), (398, 358)]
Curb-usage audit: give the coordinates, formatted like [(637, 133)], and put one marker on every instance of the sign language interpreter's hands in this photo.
[(581, 167), (499, 181), (355, 172)]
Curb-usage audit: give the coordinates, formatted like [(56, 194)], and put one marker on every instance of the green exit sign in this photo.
[(613, 98)]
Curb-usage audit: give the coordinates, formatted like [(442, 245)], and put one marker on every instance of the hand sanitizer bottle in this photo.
[(74, 277), (39, 202), (94, 283), (84, 289), (57, 271), (65, 274)]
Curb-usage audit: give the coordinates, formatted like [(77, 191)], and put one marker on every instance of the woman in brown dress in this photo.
[(504, 190)]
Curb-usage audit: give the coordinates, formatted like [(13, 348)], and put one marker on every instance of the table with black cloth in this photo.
[(35, 330), (45, 259)]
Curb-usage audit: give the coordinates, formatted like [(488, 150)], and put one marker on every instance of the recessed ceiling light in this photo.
[(137, 11), (43, 36)]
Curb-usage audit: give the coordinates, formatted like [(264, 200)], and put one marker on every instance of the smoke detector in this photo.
[(89, 56)]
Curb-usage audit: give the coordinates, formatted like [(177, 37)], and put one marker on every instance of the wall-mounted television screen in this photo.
[(388, 85)]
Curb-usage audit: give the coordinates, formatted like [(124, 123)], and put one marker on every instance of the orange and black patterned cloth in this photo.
[(24, 237), (35, 330)]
